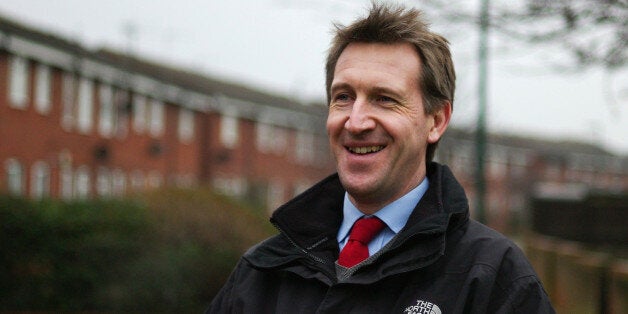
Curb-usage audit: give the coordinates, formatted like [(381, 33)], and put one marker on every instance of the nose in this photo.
[(360, 118)]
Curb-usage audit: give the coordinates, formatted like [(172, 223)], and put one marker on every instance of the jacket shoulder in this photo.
[(500, 266), (481, 245)]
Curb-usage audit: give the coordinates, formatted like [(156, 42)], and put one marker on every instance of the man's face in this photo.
[(377, 126)]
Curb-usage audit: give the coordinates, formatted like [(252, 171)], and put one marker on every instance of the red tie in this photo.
[(356, 249)]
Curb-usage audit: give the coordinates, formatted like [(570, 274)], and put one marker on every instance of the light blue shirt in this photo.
[(395, 215)]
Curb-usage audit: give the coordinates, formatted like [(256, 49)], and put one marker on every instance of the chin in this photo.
[(357, 187)]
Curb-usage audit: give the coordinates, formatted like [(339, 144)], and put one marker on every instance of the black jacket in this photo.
[(440, 262)]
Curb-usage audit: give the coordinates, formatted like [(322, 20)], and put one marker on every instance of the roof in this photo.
[(172, 74)]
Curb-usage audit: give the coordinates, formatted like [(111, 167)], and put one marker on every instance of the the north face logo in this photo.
[(423, 307)]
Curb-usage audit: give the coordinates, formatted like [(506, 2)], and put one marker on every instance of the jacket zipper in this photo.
[(309, 255)]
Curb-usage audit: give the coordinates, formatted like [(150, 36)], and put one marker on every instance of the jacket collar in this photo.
[(309, 224)]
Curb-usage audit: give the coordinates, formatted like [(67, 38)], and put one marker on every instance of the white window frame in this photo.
[(138, 180), (107, 112), (304, 147), (271, 138), (69, 89), (118, 182), (263, 136), (43, 89), (18, 82), (85, 110), (66, 178), (155, 179), (40, 180), (229, 131), (120, 114), (103, 182), (157, 118), (140, 113), (82, 183), (186, 125), (15, 176)]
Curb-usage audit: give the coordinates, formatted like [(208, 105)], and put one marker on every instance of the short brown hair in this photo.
[(395, 24)]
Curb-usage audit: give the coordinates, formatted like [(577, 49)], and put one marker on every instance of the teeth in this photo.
[(365, 149)]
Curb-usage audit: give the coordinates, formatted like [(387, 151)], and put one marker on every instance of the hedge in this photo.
[(169, 250)]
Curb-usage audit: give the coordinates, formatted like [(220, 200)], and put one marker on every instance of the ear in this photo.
[(441, 121)]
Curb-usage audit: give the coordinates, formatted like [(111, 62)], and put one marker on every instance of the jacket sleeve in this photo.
[(527, 296)]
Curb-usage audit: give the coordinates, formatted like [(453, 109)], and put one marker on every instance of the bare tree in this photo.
[(594, 32)]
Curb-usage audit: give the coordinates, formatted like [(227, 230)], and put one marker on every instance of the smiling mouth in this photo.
[(365, 149)]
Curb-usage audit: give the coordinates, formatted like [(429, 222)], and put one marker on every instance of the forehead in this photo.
[(399, 60)]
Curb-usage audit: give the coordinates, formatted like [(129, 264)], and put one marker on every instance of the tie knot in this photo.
[(365, 229)]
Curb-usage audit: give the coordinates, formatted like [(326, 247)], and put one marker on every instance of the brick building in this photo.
[(79, 123), (76, 123), (519, 169)]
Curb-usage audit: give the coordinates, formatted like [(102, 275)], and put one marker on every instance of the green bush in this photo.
[(57, 255), (163, 251)]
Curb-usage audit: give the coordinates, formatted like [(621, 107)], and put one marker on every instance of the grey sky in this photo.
[(279, 45)]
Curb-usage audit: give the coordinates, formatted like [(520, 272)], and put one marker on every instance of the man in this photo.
[(390, 85)]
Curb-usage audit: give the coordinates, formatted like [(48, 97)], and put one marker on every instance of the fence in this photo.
[(579, 279)]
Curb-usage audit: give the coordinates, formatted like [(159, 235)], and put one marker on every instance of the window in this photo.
[(270, 138), (103, 182), (118, 182), (69, 101), (137, 180), (156, 126), (231, 186), (18, 82), (121, 112), (107, 112), (15, 177), (85, 106), (304, 147), (42, 89), (82, 180), (65, 174), (186, 125), (139, 113), (263, 137), (155, 179), (40, 180), (229, 131), (280, 142)]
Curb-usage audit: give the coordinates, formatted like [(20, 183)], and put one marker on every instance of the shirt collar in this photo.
[(395, 214)]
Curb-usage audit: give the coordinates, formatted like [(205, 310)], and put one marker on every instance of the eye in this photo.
[(342, 97), (384, 99)]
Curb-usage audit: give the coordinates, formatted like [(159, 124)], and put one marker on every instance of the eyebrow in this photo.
[(374, 90), (338, 86)]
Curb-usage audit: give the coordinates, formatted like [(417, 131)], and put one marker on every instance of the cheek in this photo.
[(335, 123)]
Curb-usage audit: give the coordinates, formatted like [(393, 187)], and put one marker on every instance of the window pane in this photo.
[(85, 106), (15, 177), (229, 131), (120, 116), (139, 113), (103, 182), (66, 180), (40, 180), (156, 118), (18, 82), (42, 89), (119, 182), (69, 97), (106, 116), (186, 125), (82, 179)]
